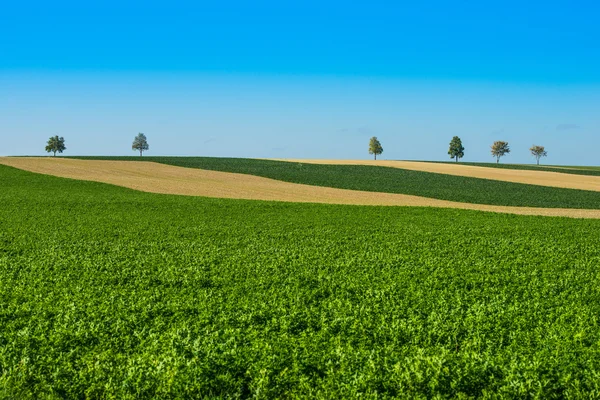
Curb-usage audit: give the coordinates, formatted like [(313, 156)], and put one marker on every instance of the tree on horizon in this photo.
[(499, 149), (140, 143), (375, 147), (456, 149), (538, 152), (56, 144)]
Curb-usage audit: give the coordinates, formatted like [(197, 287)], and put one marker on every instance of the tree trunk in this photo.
[(375, 156), (538, 161), (54, 153), (140, 152), (456, 158)]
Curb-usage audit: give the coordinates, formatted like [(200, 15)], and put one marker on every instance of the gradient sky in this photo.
[(310, 79)]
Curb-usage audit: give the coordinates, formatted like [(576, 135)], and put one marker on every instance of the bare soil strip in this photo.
[(167, 179), (542, 178)]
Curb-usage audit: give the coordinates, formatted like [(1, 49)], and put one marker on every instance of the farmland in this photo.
[(392, 180), (106, 292), (167, 179), (555, 177), (574, 170)]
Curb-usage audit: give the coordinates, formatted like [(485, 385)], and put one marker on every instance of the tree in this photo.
[(140, 143), (538, 152), (56, 144), (499, 149), (375, 147), (456, 149)]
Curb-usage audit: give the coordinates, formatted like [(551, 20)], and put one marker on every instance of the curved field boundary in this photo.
[(567, 169), (391, 180), (542, 178), (166, 179)]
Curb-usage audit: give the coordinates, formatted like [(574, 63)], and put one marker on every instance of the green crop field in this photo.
[(392, 180), (106, 292), (574, 170)]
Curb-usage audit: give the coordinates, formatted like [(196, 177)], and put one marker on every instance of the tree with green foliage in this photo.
[(56, 144), (456, 149), (538, 152), (375, 147), (140, 143), (499, 149)]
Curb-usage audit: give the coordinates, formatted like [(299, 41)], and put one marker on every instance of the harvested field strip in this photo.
[(159, 178), (573, 170), (530, 177), (394, 180)]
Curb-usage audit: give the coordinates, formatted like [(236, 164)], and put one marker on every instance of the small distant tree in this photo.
[(538, 152), (456, 149), (499, 149), (140, 143), (56, 144), (375, 147)]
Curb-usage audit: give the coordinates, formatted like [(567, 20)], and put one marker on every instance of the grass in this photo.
[(107, 292), (574, 170), (393, 180)]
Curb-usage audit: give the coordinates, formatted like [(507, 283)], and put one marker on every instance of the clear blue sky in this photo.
[(311, 79)]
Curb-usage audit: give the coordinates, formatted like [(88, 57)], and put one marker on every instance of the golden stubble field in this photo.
[(166, 179)]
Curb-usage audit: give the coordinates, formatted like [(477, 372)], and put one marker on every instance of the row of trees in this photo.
[(57, 144), (457, 150), (498, 149)]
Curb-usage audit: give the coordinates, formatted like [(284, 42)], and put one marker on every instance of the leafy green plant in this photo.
[(138, 295)]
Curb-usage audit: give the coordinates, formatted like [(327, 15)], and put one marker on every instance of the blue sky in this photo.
[(304, 79)]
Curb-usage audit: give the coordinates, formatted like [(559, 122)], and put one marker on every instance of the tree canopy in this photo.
[(456, 149), (375, 147), (140, 143), (499, 149), (538, 152), (56, 144)]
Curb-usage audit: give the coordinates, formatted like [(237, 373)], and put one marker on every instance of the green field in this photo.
[(110, 293), (392, 180), (574, 170)]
